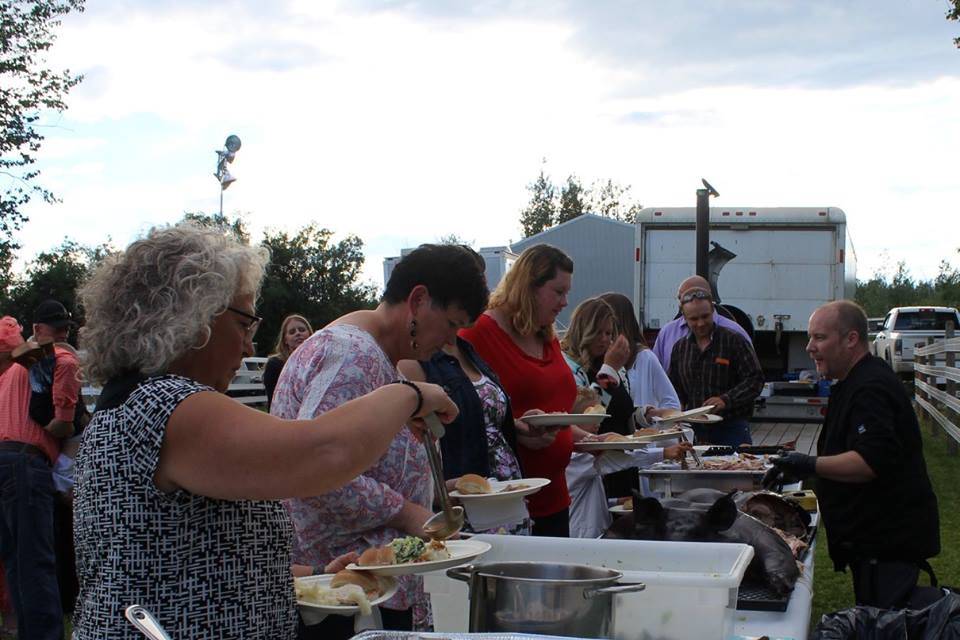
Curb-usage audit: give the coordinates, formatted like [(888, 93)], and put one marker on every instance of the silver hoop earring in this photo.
[(206, 341)]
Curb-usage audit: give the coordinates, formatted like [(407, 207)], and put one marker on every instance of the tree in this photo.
[(452, 238), (312, 275), (220, 221), (539, 213), (953, 13), (571, 200), (609, 199), (56, 274), (28, 88)]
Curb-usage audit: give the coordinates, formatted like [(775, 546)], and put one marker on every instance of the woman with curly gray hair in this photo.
[(178, 486)]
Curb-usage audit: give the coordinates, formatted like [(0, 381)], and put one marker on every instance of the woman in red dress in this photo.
[(516, 337)]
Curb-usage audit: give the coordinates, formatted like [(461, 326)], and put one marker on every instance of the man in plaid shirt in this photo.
[(714, 365)]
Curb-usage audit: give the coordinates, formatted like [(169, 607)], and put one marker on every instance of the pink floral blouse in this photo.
[(333, 366)]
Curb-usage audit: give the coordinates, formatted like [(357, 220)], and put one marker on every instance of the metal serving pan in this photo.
[(675, 481)]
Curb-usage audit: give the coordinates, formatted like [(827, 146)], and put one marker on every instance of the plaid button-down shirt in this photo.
[(727, 368)]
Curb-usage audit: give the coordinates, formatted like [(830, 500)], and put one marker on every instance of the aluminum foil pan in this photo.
[(414, 635)]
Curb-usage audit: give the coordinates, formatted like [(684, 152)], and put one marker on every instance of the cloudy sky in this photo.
[(404, 121)]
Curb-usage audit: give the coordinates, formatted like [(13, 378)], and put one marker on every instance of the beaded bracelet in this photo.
[(419, 395)]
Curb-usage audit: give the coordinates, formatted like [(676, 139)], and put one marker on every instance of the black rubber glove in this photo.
[(789, 468)]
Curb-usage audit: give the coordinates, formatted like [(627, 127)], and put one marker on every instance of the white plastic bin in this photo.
[(691, 586)]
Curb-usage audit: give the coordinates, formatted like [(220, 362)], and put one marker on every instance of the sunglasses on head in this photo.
[(696, 294)]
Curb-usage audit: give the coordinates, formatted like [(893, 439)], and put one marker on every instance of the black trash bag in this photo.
[(939, 621)]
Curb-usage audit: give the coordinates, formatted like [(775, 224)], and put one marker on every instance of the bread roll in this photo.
[(597, 408), (472, 483), (366, 581), (377, 556), (615, 437)]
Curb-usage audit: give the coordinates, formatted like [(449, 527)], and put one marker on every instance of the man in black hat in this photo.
[(58, 377), (51, 320)]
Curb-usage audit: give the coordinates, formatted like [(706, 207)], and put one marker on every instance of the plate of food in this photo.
[(564, 419), (471, 486), (610, 442), (683, 415), (344, 593), (409, 555), (623, 508), (704, 418), (653, 434)]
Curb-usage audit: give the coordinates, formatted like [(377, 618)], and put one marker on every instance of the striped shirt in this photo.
[(727, 368)]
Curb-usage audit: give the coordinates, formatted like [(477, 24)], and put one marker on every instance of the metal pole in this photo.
[(221, 203), (703, 232)]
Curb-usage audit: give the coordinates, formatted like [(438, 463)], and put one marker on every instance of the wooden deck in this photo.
[(772, 433)]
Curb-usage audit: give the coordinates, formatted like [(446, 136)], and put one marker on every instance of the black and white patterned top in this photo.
[(205, 568)]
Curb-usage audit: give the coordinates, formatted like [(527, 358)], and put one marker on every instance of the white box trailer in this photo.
[(789, 261)]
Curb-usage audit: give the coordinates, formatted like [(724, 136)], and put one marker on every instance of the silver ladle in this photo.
[(449, 522), (145, 622)]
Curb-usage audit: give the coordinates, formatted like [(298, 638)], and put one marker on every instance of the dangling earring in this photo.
[(413, 335), (206, 341)]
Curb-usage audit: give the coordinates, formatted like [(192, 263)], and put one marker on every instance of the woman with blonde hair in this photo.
[(516, 337), (596, 354), (293, 331), (178, 485)]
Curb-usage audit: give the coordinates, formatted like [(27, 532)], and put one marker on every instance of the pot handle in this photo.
[(615, 589), (462, 574)]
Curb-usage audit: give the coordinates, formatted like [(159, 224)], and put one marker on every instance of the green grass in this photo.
[(833, 591)]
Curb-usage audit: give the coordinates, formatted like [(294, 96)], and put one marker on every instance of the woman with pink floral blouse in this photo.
[(432, 293)]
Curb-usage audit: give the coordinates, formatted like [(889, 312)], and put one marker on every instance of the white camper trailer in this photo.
[(788, 261)]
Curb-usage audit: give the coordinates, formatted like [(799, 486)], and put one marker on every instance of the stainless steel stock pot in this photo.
[(542, 598)]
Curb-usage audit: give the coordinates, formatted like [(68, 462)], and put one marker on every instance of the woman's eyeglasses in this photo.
[(696, 294), (254, 320)]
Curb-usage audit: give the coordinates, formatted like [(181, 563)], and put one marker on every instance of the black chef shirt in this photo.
[(894, 516)]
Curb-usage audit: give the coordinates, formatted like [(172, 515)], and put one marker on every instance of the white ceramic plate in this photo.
[(532, 486), (343, 609), (460, 552), (683, 415), (706, 418), (564, 419), (620, 510)]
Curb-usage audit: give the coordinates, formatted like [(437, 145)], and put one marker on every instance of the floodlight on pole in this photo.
[(224, 157)]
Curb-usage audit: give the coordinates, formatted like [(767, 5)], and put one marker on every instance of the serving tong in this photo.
[(449, 522), (693, 452)]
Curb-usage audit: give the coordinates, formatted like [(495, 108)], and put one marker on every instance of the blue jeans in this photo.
[(729, 433), (26, 544)]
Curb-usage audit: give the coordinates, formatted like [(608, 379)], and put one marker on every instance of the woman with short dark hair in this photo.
[(432, 292)]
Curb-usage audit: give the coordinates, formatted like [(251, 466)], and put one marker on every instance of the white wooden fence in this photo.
[(937, 402), (246, 387)]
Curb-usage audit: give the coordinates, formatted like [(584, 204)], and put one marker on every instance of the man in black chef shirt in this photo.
[(878, 507)]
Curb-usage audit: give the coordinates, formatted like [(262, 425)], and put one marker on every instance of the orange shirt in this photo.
[(15, 421), (66, 384)]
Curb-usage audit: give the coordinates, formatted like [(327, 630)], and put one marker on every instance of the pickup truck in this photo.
[(907, 327)]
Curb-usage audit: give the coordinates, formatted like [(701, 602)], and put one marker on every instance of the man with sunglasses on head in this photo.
[(677, 328), (715, 366)]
